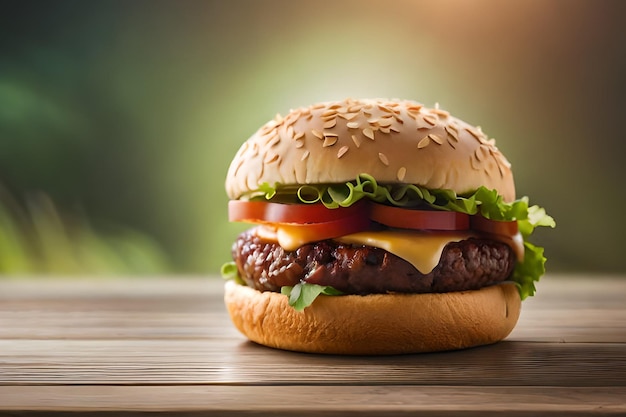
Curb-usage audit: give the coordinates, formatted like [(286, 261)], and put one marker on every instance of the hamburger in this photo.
[(377, 227)]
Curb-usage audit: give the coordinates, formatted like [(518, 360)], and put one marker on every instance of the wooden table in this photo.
[(142, 346)]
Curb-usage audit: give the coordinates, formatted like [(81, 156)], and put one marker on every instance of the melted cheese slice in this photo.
[(421, 249)]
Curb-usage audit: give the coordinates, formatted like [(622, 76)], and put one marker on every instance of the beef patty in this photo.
[(466, 265)]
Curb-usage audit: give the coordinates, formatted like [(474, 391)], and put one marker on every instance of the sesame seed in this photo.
[(271, 157), (413, 110), (441, 113), (292, 118), (330, 124), (385, 122), (431, 120), (477, 135), (356, 141), (299, 144), (269, 126), (475, 163), (500, 170), (352, 125), (401, 174), (273, 141), (298, 135), (383, 158), (369, 133), (484, 152), (317, 134), (329, 141), (422, 125), (452, 133), (435, 138), (342, 151), (348, 116), (305, 155), (503, 160), (269, 133), (423, 142)]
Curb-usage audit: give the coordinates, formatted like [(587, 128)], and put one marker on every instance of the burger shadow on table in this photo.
[(507, 362)]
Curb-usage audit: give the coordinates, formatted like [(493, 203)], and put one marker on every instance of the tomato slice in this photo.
[(313, 222), (498, 227), (266, 212), (419, 219)]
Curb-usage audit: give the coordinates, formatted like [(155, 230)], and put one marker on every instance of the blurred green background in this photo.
[(118, 119)]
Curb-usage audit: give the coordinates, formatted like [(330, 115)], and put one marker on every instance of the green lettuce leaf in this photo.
[(487, 202), (303, 294), (529, 271), (229, 271)]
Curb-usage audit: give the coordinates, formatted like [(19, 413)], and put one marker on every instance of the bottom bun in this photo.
[(376, 324)]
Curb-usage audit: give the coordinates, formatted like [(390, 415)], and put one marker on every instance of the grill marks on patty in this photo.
[(466, 265)]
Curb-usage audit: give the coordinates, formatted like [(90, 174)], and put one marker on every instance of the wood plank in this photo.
[(163, 346), (177, 331), (197, 319), (567, 309), (556, 290), (308, 401), (118, 287), (76, 362), (169, 331)]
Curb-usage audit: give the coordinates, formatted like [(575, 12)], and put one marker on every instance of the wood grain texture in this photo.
[(167, 345), (311, 401)]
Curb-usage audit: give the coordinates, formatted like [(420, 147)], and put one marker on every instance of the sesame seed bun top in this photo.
[(395, 141)]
